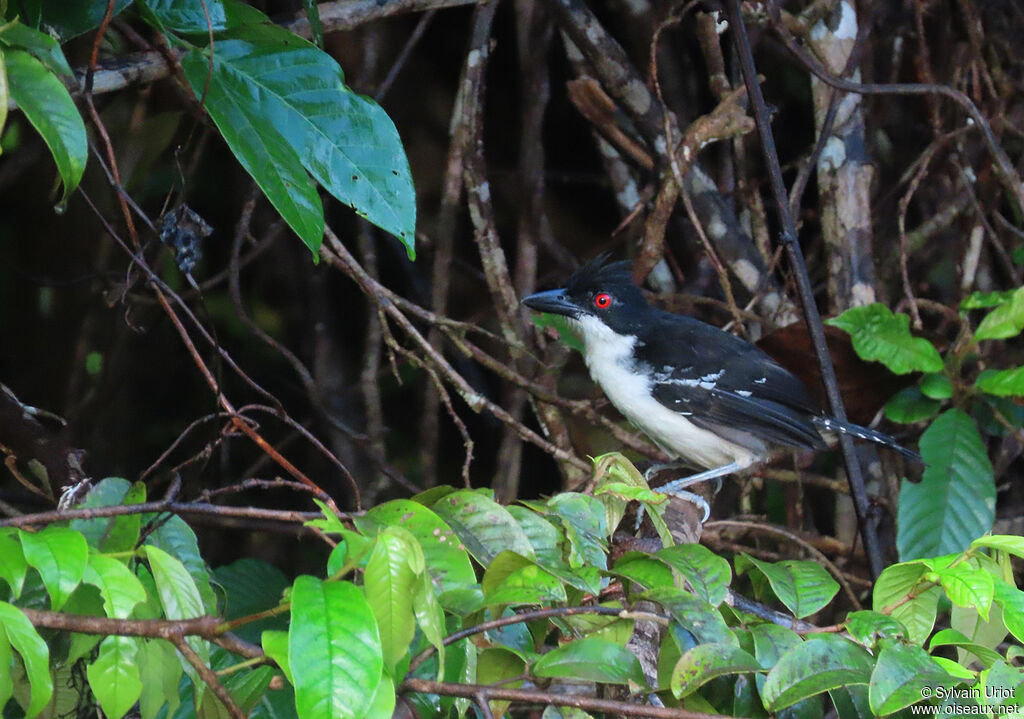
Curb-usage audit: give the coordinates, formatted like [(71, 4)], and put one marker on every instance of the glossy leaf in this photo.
[(40, 45), (591, 659), (707, 661), (448, 563), (388, 583), (909, 405), (771, 642), (485, 527), (34, 653), (1011, 600), (334, 650), (867, 627), (68, 19), (6, 680), (968, 586), (815, 666), (879, 335), (1005, 321), (900, 674), (496, 665), (1002, 383), (114, 676), (1003, 542), (13, 566), (644, 570), (121, 589), (893, 587), (186, 16), (936, 386), (382, 706), (707, 574), (429, 615), (955, 500), (617, 481), (544, 536), (287, 96), (177, 539), (158, 663), (514, 579), (954, 638), (59, 555), (51, 111), (803, 586), (694, 614), (275, 646), (178, 594), (582, 518)]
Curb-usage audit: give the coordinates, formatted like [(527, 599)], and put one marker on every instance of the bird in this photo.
[(706, 397)]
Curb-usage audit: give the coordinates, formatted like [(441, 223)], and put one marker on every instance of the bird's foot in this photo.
[(677, 487)]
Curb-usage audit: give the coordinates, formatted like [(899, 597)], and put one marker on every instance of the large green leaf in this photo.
[(707, 574), (592, 659), (114, 676), (68, 19), (179, 595), (34, 653), (112, 534), (49, 107), (60, 555), (176, 538), (12, 560), (42, 47), (813, 667), (955, 500), (544, 536), (514, 579), (484, 526), (879, 335), (894, 586), (389, 583), (6, 680), (158, 662), (803, 586), (904, 675), (707, 661), (694, 614), (583, 519), (334, 650), (191, 17), (448, 563), (121, 589), (910, 405), (274, 89)]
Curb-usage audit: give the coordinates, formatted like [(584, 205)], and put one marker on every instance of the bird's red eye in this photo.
[(603, 301)]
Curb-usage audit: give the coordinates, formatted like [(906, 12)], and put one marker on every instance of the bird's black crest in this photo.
[(599, 273)]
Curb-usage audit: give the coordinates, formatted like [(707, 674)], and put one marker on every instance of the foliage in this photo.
[(279, 101), (955, 500), (413, 574)]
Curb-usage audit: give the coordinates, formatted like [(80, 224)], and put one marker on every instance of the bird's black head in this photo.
[(597, 289)]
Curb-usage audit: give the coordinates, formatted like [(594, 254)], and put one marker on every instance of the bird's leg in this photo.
[(677, 487)]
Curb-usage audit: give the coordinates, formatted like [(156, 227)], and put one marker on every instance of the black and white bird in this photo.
[(704, 396)]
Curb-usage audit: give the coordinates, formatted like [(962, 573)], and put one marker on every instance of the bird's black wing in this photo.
[(722, 382)]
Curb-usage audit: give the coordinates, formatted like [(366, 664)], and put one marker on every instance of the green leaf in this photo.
[(6, 680), (985, 300), (184, 16), (496, 665), (484, 526), (955, 500), (275, 646), (909, 405), (1003, 542), (707, 574), (175, 537), (707, 661), (582, 518), (867, 627), (40, 45), (334, 650), (803, 586), (1002, 383), (179, 595), (251, 586), (514, 579), (114, 676), (430, 617), (968, 586), (13, 566), (448, 563), (283, 89), (60, 555), (68, 19), (112, 534), (388, 583), (771, 642), (900, 675), (879, 335), (694, 614), (121, 589), (815, 666), (544, 536), (936, 386), (34, 653), (954, 638), (592, 659), (49, 107), (1011, 600), (382, 706), (1005, 321), (158, 662), (644, 570), (894, 585)]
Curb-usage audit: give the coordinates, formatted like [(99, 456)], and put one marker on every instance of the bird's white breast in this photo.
[(610, 359)]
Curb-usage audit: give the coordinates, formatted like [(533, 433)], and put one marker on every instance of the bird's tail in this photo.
[(855, 430)]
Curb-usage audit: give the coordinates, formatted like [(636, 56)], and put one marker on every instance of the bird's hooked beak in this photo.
[(553, 301)]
